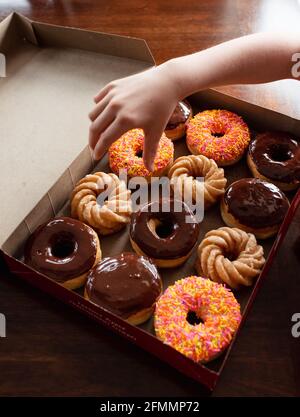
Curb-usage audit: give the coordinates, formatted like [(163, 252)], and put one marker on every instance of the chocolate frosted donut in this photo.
[(176, 126), (275, 156), (161, 231), (63, 249), (255, 206), (128, 285)]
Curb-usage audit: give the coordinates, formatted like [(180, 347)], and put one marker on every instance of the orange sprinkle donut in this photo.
[(197, 317), (218, 134), (126, 153)]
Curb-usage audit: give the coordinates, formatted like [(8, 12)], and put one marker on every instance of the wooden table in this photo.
[(52, 350)]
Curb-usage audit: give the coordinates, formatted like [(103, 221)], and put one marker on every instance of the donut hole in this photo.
[(280, 152), (218, 134), (162, 227), (231, 256), (139, 153), (217, 130), (63, 245), (102, 198), (193, 319)]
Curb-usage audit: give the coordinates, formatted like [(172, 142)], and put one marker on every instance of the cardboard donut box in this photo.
[(51, 74)]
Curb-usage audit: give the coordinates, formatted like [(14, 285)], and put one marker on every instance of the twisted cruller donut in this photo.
[(216, 248), (218, 134), (182, 175), (216, 318), (113, 214)]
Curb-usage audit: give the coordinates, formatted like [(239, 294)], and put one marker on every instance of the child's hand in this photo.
[(144, 100), (147, 100)]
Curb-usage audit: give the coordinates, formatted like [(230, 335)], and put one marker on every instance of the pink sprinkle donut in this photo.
[(216, 318), (126, 153), (218, 134)]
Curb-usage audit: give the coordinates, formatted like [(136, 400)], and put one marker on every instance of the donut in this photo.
[(127, 285), (275, 157), (64, 250), (186, 169), (127, 154), (113, 213), (176, 126), (166, 231), (219, 135), (255, 206), (197, 317), (230, 255)]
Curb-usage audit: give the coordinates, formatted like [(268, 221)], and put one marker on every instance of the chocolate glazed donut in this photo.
[(128, 285), (164, 235), (275, 156), (63, 249), (255, 206), (176, 126)]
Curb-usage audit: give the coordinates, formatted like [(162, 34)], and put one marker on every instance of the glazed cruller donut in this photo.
[(186, 169), (216, 249), (113, 214)]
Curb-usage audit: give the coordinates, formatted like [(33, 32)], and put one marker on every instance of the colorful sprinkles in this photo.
[(126, 153), (218, 134), (213, 303)]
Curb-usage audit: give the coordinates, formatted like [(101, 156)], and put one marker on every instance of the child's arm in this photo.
[(147, 100)]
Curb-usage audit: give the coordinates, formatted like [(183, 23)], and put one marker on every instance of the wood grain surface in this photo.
[(52, 350)]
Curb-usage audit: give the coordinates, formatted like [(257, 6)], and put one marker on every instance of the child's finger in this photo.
[(98, 109), (114, 131), (102, 93), (150, 147), (99, 125)]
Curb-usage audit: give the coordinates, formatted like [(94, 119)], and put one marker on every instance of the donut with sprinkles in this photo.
[(218, 134), (127, 154), (216, 317)]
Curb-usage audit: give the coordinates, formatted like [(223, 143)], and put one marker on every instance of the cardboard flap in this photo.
[(13, 31), (44, 104), (109, 44)]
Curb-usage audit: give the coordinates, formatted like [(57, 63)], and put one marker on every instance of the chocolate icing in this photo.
[(180, 115), (256, 203), (62, 249), (276, 156), (179, 241), (124, 284)]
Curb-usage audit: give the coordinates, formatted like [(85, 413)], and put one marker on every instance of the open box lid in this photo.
[(52, 74)]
